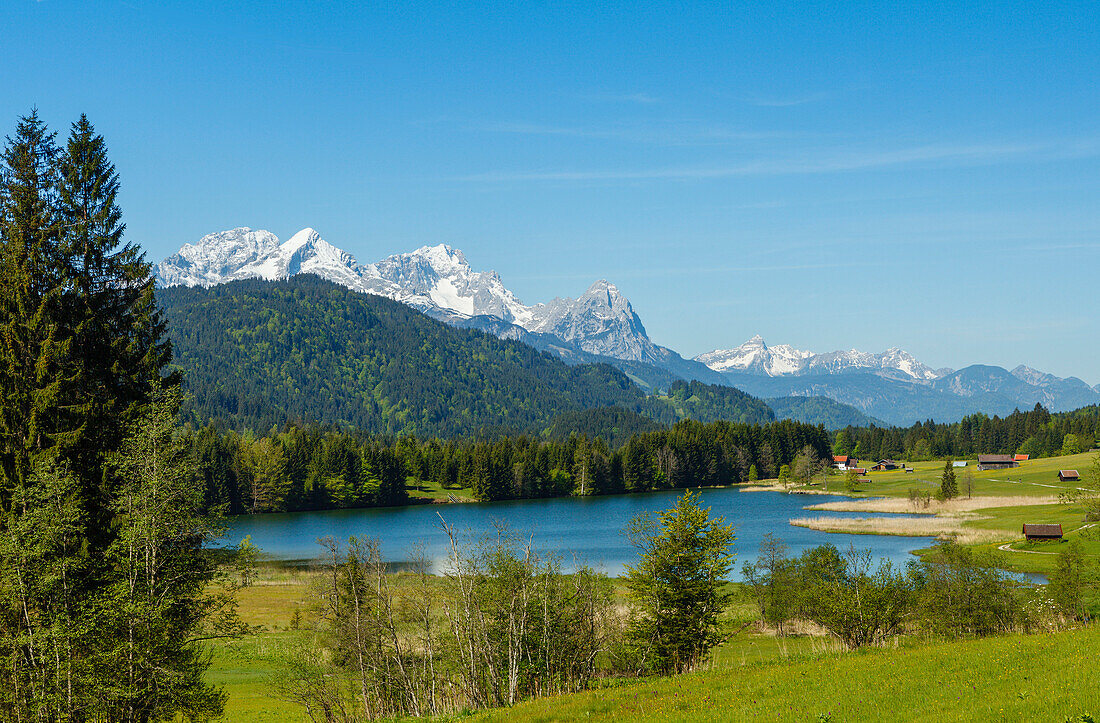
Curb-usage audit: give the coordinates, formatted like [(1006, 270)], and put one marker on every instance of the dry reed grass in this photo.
[(949, 507), (942, 527)]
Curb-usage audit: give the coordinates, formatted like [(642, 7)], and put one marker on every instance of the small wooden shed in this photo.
[(1022, 457), (1042, 532), (1068, 475), (996, 461)]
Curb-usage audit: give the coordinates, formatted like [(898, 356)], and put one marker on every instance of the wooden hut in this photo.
[(1068, 475), (1042, 532), (996, 461)]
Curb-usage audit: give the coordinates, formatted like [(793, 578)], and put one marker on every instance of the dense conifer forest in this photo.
[(257, 354)]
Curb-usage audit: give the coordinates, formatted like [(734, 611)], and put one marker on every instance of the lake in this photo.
[(583, 530)]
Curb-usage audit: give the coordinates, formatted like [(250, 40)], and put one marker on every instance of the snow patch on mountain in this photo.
[(756, 357)]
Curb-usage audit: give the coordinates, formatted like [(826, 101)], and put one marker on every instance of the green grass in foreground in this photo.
[(1036, 677)]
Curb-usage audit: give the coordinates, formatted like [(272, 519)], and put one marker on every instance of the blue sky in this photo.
[(832, 176)]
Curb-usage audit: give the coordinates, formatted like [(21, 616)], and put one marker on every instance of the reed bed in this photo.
[(902, 505), (931, 526)]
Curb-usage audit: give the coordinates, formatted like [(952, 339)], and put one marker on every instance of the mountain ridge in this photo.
[(601, 326), (438, 281)]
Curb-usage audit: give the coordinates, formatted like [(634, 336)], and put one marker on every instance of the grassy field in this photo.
[(421, 490), (1037, 677), (990, 517), (245, 668), (1036, 478)]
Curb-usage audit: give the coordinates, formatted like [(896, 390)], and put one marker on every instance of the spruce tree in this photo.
[(43, 563), (949, 486), (33, 341), (117, 333), (82, 354)]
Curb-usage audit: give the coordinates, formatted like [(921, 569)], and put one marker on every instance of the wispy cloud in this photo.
[(785, 102), (935, 155), (677, 133)]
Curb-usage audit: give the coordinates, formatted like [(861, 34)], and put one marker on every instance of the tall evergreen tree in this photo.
[(33, 341), (43, 562), (949, 486), (117, 332), (82, 352)]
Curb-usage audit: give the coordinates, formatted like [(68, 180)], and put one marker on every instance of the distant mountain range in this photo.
[(602, 326), (894, 386)]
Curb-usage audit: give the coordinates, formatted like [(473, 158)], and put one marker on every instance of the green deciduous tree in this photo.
[(857, 603), (678, 583), (1071, 444), (773, 581), (159, 598), (1068, 580)]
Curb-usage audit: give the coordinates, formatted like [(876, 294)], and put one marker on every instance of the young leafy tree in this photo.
[(1069, 580), (772, 579), (678, 583), (846, 596), (160, 599)]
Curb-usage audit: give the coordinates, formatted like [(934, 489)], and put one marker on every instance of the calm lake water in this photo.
[(584, 530)]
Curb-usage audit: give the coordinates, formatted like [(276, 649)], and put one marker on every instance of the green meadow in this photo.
[(1018, 677), (1034, 478)]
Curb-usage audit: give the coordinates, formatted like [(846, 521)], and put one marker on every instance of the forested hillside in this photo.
[(821, 410), (1036, 432), (257, 354)]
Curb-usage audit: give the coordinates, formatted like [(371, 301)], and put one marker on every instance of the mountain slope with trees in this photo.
[(260, 353), (821, 410)]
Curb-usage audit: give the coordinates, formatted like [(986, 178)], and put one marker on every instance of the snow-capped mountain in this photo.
[(440, 278), (217, 258), (600, 321), (435, 277), (756, 357), (242, 253), (440, 282)]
